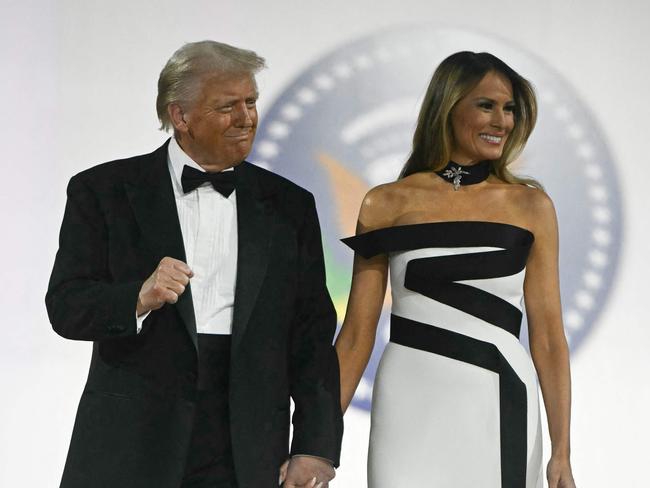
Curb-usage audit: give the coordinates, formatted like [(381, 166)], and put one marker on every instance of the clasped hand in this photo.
[(306, 472)]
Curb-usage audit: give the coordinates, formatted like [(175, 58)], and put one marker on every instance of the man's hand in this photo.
[(307, 472), (165, 285)]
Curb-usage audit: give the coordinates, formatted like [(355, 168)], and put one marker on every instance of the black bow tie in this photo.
[(223, 182)]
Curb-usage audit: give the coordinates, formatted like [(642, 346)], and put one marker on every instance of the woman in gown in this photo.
[(455, 401)]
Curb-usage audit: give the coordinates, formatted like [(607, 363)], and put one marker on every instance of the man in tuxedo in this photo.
[(199, 278)]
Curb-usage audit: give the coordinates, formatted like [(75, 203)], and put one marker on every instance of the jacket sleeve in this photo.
[(314, 370), (82, 300)]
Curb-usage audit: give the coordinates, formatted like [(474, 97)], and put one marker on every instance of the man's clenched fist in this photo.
[(165, 285)]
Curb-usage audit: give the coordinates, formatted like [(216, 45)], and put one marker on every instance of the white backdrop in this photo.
[(79, 82)]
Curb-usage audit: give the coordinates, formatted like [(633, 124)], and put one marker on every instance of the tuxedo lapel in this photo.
[(255, 222), (151, 196)]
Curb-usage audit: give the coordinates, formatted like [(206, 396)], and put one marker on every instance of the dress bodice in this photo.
[(474, 267), (454, 379)]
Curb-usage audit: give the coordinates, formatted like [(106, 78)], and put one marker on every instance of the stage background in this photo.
[(79, 82)]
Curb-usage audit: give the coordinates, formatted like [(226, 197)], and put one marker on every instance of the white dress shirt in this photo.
[(209, 227)]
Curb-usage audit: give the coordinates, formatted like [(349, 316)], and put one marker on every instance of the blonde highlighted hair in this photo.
[(454, 78)]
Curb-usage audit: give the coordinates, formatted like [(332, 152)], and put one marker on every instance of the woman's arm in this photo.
[(356, 339), (548, 345)]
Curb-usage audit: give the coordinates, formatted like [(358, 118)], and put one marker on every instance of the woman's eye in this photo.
[(509, 108), (485, 105)]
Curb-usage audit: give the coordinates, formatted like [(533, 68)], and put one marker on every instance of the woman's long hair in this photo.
[(454, 78)]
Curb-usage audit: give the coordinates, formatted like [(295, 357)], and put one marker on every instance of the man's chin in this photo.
[(242, 152)]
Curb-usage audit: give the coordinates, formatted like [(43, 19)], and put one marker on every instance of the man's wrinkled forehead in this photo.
[(229, 85)]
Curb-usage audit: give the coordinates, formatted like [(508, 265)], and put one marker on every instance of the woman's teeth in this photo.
[(491, 139)]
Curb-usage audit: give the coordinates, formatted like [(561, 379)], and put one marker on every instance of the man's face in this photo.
[(220, 126)]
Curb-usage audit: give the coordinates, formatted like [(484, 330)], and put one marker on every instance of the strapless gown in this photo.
[(455, 402)]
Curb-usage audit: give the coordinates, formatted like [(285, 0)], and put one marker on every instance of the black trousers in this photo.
[(209, 462)]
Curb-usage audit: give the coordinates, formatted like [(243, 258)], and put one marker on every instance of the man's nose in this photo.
[(243, 116)]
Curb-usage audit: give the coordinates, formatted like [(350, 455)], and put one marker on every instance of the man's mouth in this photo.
[(239, 136)]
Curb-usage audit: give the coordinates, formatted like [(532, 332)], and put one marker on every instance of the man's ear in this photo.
[(178, 118)]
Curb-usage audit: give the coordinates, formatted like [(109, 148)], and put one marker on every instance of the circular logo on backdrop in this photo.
[(345, 124)]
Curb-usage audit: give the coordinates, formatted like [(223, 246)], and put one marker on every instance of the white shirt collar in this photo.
[(179, 158)]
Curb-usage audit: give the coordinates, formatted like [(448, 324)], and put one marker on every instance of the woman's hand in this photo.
[(558, 473)]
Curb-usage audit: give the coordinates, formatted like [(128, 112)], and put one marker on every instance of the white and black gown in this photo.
[(455, 401)]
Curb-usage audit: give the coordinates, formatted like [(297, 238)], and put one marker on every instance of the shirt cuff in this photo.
[(315, 457), (140, 320)]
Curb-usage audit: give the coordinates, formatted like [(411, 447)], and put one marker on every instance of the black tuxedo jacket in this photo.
[(135, 416)]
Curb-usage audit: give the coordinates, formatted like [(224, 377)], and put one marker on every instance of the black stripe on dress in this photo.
[(435, 277), (512, 391), (439, 234)]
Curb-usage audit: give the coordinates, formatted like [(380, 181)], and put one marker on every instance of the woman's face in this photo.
[(482, 120)]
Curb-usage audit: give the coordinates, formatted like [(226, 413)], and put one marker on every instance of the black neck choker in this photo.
[(458, 175)]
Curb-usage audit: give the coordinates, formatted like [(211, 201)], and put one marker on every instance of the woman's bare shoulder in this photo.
[(537, 207), (381, 205), (532, 198)]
